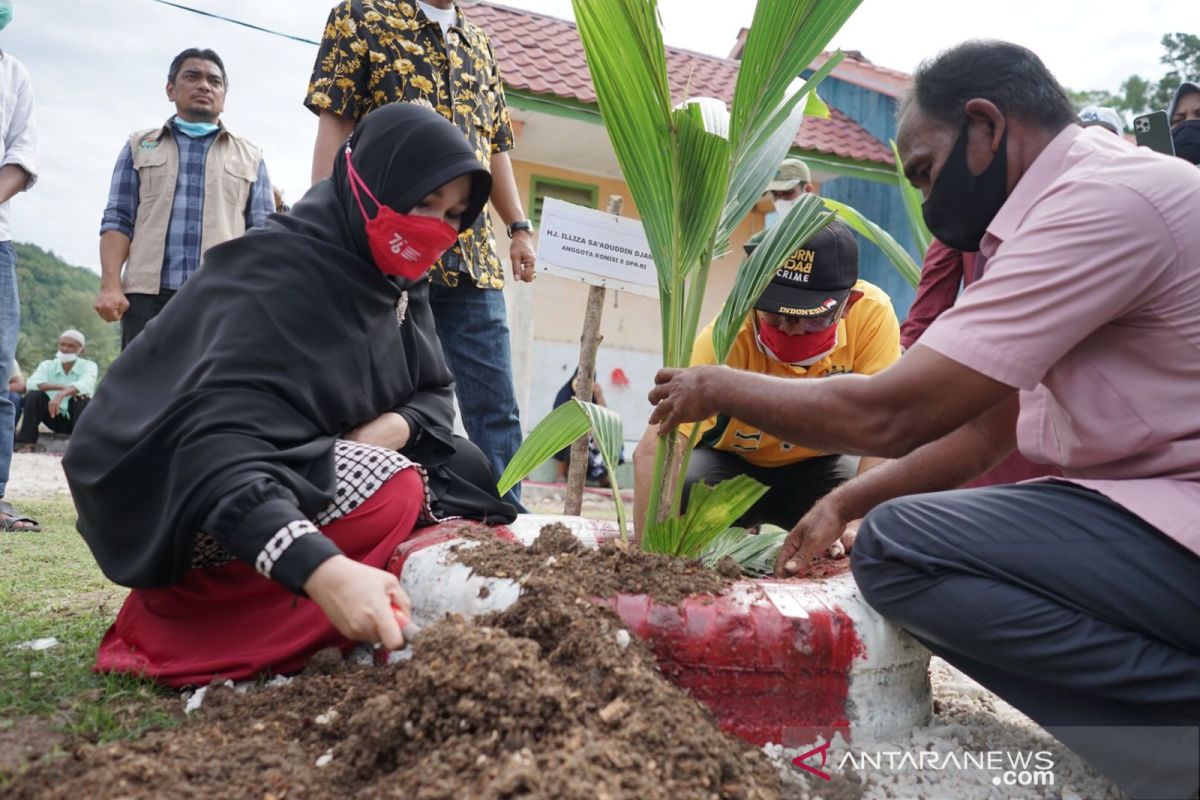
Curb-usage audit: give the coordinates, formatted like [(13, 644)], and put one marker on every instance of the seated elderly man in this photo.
[(57, 391), (815, 319)]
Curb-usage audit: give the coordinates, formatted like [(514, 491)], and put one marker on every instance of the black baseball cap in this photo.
[(816, 278)]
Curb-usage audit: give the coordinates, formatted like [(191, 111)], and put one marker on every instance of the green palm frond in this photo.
[(628, 64), (710, 511), (901, 260), (559, 429), (754, 552), (804, 219), (783, 40)]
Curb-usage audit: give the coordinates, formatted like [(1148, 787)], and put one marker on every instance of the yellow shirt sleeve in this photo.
[(876, 336)]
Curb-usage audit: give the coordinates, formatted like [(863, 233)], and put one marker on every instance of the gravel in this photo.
[(35, 476), (967, 719)]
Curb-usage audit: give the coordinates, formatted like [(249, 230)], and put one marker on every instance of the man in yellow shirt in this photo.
[(815, 319)]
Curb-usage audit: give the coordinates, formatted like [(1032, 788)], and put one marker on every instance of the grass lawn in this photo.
[(51, 587)]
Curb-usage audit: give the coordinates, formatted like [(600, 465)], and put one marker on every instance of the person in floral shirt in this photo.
[(376, 52)]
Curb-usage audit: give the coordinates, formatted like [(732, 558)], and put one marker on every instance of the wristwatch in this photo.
[(520, 225)]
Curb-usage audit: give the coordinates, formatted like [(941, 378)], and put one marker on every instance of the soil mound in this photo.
[(556, 558), (549, 699)]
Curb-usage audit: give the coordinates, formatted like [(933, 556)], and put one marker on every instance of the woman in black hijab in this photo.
[(287, 414)]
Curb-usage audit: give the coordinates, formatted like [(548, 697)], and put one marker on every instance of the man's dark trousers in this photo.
[(142, 309), (792, 488), (1062, 602), (37, 411)]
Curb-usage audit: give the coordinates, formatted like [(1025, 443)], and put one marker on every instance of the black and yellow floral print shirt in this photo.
[(375, 52)]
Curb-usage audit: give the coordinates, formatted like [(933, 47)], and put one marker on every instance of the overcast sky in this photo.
[(99, 68)]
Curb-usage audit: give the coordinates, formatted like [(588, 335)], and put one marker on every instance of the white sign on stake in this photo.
[(600, 249)]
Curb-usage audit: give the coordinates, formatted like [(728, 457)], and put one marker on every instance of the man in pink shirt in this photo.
[(1075, 599)]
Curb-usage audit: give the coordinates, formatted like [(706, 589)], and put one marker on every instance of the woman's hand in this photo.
[(387, 430), (365, 604), (824, 527)]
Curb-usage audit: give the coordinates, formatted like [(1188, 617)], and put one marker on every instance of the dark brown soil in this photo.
[(541, 701), (556, 555), (557, 558), (826, 567), (26, 739)]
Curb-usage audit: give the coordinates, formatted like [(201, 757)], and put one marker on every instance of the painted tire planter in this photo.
[(765, 655)]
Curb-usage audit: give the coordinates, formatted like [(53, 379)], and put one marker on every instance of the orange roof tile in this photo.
[(543, 55)]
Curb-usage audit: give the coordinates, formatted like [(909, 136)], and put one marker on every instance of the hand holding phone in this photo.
[(1153, 130)]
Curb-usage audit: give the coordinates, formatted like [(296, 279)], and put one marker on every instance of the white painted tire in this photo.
[(766, 656)]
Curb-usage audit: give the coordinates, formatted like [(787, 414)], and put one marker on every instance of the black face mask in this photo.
[(1186, 136), (962, 205)]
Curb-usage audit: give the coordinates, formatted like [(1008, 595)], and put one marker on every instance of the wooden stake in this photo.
[(589, 343)]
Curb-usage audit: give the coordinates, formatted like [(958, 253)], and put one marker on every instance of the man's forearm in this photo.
[(332, 132), (947, 463), (13, 179), (114, 252), (505, 197), (867, 463), (784, 407), (886, 414)]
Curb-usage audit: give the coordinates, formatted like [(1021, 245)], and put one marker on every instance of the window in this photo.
[(581, 194)]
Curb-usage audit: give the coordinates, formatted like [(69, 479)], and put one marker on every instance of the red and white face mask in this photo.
[(799, 349), (405, 245)]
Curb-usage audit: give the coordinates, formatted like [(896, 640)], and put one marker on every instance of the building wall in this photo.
[(874, 111), (880, 202), (546, 318), (629, 321)]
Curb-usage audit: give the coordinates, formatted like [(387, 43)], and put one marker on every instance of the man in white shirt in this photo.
[(18, 172)]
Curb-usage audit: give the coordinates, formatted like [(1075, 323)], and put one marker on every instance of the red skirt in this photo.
[(231, 622)]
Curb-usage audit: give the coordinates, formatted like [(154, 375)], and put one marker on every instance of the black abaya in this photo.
[(222, 415)]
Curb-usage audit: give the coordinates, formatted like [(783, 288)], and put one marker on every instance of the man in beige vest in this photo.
[(176, 191)]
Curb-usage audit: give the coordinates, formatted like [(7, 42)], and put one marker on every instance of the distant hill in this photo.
[(56, 296)]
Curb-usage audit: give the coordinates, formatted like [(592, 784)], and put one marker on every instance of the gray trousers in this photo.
[(1062, 602)]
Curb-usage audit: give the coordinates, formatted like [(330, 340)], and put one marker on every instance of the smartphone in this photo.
[(1153, 130)]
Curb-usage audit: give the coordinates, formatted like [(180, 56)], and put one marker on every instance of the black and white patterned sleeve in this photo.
[(264, 528), (361, 470)]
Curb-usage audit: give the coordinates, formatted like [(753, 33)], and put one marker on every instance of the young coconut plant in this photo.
[(695, 171)]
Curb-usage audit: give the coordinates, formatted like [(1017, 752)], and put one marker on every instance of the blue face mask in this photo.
[(195, 129), (5, 13)]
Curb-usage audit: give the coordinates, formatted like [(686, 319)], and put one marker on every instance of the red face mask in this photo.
[(405, 245), (796, 349)]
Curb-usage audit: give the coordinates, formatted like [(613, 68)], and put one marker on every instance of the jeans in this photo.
[(473, 328), (17, 400), (10, 324), (1062, 602)]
